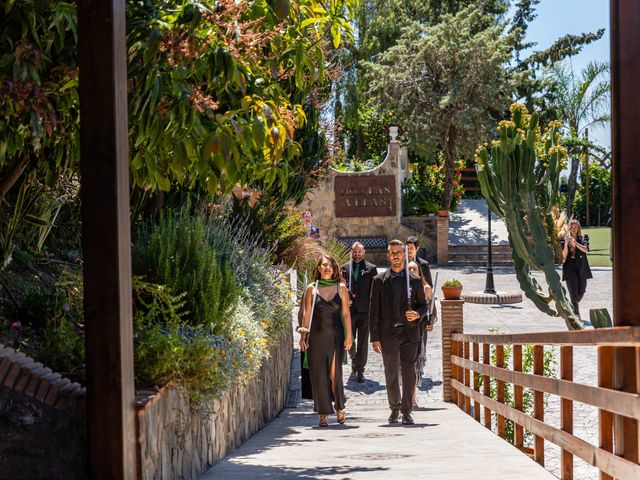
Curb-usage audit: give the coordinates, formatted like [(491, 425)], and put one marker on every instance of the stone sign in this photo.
[(365, 196)]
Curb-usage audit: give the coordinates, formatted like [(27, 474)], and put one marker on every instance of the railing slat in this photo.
[(476, 381), (500, 388), (618, 336), (566, 413), (619, 467), (622, 403), (467, 380), (518, 395), (605, 380), (538, 403), (486, 386)]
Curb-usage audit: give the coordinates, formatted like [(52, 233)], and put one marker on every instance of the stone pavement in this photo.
[(468, 225), (445, 443)]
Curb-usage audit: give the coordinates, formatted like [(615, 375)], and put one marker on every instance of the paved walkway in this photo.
[(468, 225), (445, 443)]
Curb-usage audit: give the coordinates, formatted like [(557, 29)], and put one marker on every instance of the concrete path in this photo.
[(468, 225), (445, 443)]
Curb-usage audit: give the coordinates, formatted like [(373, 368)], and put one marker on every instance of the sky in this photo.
[(559, 17)]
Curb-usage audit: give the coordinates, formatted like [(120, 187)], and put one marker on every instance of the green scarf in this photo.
[(326, 283)]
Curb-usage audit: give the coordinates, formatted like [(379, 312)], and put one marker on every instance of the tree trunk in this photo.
[(449, 162), (13, 175), (572, 185)]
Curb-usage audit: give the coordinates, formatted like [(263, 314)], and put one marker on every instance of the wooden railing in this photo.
[(619, 408)]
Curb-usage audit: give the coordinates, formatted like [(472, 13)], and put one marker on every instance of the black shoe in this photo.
[(360, 377), (395, 415), (407, 419)]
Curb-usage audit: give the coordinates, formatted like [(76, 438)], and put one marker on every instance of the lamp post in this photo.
[(489, 287)]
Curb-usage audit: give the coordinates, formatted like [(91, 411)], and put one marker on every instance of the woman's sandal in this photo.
[(324, 421), (340, 416)]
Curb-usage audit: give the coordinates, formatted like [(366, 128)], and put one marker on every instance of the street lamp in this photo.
[(489, 287)]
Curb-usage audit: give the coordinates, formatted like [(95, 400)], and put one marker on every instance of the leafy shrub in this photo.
[(271, 226), (599, 196), (453, 283), (62, 347), (422, 191), (177, 251)]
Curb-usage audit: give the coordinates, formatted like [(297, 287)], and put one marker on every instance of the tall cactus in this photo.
[(519, 176)]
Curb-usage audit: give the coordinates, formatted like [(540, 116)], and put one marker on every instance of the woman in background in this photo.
[(575, 269)]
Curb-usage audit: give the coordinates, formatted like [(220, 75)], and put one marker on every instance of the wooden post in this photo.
[(538, 403), (500, 388), (605, 380), (476, 382), (452, 322), (518, 392), (467, 380), (486, 386), (566, 412), (625, 121), (106, 239)]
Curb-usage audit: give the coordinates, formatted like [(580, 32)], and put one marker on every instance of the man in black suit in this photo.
[(412, 250), (361, 274), (394, 321)]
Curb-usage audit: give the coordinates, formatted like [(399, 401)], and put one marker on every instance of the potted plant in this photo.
[(452, 289)]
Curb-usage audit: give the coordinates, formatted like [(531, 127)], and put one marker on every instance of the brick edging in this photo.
[(23, 375)]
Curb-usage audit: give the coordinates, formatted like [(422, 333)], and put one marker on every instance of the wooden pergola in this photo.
[(106, 227)]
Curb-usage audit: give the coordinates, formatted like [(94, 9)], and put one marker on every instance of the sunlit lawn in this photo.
[(599, 241)]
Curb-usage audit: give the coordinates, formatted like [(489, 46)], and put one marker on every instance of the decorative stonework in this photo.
[(42, 421), (177, 441), (452, 322)]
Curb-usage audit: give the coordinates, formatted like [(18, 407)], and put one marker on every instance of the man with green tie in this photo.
[(359, 274)]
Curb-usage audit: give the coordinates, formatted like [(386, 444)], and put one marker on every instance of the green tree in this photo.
[(579, 103), (211, 87), (445, 82)]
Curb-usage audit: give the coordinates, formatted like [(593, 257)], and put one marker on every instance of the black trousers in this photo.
[(360, 348), (401, 360), (577, 285)]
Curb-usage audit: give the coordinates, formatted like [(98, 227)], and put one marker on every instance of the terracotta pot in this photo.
[(443, 213), (452, 293)]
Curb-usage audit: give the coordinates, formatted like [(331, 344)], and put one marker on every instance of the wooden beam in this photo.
[(619, 336), (106, 239), (625, 121)]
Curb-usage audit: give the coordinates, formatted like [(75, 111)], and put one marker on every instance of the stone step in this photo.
[(483, 262), (480, 248), (479, 253)]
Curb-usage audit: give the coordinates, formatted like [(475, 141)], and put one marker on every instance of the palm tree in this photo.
[(580, 103)]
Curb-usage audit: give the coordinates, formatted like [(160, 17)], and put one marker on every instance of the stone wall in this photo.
[(42, 421), (176, 441)]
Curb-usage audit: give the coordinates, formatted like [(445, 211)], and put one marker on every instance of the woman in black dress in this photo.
[(575, 269), (327, 339)]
